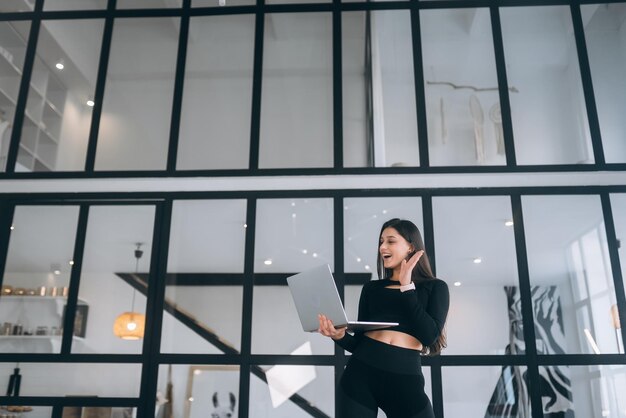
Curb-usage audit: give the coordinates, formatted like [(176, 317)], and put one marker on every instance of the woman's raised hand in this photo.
[(328, 329), (406, 267)]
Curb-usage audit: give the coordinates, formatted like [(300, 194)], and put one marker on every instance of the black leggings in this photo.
[(380, 375)]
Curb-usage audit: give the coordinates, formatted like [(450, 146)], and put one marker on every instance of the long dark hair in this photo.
[(422, 271)]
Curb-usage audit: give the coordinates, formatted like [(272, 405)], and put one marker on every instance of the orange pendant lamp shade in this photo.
[(129, 326)]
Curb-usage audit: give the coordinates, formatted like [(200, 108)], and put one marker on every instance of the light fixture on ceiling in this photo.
[(268, 262), (358, 259), (478, 260), (12, 228), (60, 65), (305, 251), (91, 103), (56, 269), (457, 284), (367, 267), (314, 255), (71, 262), (131, 325), (508, 223)]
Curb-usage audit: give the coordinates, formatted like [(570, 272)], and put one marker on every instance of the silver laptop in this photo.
[(314, 292)]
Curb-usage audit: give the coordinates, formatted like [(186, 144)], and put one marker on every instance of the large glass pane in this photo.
[(379, 116), (203, 297), (136, 113), (363, 218), (462, 99), (618, 205), (57, 121), (75, 379), (495, 391), (297, 93), (74, 4), (36, 278), (475, 247), (215, 120), (198, 391), (114, 279), (549, 116), (14, 38), (291, 235), (566, 245), (292, 391), (591, 391), (605, 34)]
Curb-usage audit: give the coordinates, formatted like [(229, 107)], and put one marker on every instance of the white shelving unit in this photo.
[(44, 109), (31, 312)]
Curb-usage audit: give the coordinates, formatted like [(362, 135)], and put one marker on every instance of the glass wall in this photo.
[(177, 286), (272, 103), (228, 314)]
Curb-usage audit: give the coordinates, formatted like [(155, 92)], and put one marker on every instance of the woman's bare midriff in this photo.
[(397, 338)]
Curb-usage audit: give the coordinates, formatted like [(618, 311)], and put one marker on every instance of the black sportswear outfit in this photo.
[(380, 375)]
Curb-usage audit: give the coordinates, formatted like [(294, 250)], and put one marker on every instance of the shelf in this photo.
[(35, 297)]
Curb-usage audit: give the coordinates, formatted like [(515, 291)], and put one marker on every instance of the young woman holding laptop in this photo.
[(384, 370)]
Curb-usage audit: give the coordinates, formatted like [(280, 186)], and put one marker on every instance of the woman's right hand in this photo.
[(328, 329)]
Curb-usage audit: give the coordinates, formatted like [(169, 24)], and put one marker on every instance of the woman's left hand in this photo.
[(406, 267)]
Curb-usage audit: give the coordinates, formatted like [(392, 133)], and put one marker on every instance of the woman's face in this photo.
[(393, 248)]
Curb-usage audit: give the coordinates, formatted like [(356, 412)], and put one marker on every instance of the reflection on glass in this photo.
[(549, 116), (137, 108), (57, 121), (284, 395), (74, 4), (606, 40), (462, 99), (14, 36), (147, 4), (77, 379), (363, 218), (114, 277), (570, 274), (215, 118), (208, 390), (36, 278), (297, 100), (475, 248), (379, 116)]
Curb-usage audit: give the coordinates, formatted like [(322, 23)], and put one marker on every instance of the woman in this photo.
[(384, 370)]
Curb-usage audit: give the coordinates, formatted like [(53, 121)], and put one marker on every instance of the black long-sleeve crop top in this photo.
[(421, 312)]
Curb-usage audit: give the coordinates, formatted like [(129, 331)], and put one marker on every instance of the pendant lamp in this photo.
[(131, 325)]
